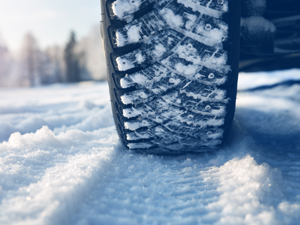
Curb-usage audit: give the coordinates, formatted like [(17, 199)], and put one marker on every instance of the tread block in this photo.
[(124, 9)]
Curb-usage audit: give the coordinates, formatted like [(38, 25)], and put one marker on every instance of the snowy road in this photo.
[(67, 166)]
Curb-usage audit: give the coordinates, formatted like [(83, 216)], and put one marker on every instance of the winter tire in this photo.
[(172, 71)]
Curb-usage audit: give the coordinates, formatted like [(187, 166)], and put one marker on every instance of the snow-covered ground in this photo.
[(61, 162)]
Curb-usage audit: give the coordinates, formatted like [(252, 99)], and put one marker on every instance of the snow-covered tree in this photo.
[(6, 64), (54, 66), (31, 67)]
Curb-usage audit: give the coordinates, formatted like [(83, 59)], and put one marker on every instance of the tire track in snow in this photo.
[(206, 189), (53, 196)]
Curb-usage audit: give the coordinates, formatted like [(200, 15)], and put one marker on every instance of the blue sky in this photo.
[(49, 20)]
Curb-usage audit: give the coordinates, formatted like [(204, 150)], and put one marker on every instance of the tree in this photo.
[(30, 61), (71, 60), (91, 56), (5, 64), (53, 64)]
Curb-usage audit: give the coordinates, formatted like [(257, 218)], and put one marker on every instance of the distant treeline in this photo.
[(31, 66)]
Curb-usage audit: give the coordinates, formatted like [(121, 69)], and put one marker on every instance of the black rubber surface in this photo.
[(172, 72)]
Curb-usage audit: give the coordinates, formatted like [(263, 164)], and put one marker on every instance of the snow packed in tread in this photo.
[(181, 65)]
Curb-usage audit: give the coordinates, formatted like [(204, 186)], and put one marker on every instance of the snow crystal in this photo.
[(121, 40), (215, 34), (125, 83), (139, 79), (136, 125), (137, 136), (129, 113), (191, 21), (218, 112), (124, 64), (121, 8), (220, 81), (131, 97), (139, 145), (159, 50), (140, 58), (189, 53), (211, 122), (217, 135), (134, 34), (188, 70), (134, 79), (174, 81), (171, 18)]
